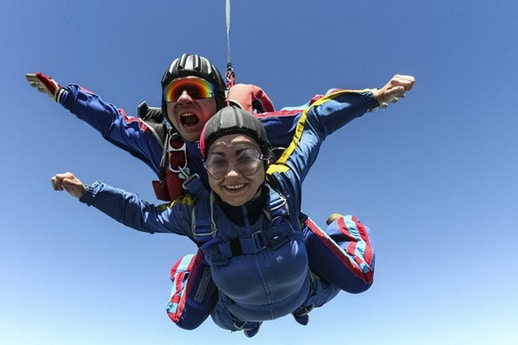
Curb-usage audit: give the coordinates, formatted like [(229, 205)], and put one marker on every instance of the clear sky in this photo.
[(434, 176)]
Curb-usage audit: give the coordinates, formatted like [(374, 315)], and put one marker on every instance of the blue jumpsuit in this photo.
[(136, 137), (256, 282)]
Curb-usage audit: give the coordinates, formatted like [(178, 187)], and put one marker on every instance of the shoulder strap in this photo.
[(277, 206), (202, 220), (154, 119), (173, 168)]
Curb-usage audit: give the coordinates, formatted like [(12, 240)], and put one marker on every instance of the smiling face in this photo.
[(234, 188), (190, 109)]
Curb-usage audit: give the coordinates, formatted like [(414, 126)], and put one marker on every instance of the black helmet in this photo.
[(233, 120), (198, 66)]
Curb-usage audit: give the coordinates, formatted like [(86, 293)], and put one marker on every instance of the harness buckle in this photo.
[(197, 234), (188, 179), (260, 240), (173, 152)]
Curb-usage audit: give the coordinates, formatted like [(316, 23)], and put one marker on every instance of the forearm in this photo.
[(129, 133), (124, 207), (338, 108)]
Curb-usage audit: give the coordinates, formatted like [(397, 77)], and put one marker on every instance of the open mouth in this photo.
[(189, 120)]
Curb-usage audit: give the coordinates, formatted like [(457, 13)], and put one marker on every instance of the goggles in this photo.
[(197, 88), (247, 163)]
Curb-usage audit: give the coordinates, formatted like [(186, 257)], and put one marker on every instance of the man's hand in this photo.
[(45, 84), (394, 89)]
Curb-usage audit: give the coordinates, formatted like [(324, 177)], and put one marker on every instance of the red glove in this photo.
[(45, 84)]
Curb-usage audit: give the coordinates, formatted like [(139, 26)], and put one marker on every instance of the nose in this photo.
[(184, 98), (232, 171)]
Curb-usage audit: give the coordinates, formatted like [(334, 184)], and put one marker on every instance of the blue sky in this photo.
[(434, 176)]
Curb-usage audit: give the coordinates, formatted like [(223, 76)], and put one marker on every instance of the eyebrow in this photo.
[(236, 153)]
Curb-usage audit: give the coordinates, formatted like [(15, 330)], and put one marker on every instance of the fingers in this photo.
[(35, 82), (391, 95), (59, 181), (406, 81), (70, 183), (30, 77), (395, 89)]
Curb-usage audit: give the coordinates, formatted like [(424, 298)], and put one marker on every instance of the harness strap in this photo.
[(277, 206), (193, 185), (218, 251), (160, 185), (173, 169), (203, 225), (279, 232), (177, 151)]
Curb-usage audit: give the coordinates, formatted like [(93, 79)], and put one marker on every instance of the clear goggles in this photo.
[(247, 162)]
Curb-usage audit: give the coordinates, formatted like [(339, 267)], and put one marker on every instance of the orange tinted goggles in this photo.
[(197, 88)]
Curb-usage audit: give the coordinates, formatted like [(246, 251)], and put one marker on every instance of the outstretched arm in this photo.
[(328, 114), (133, 135), (127, 208)]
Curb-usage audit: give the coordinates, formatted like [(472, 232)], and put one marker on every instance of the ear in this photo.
[(269, 159)]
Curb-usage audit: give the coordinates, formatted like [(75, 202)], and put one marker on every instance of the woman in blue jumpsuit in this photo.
[(254, 245)]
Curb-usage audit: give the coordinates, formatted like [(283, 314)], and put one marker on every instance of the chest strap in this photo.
[(278, 232), (219, 251)]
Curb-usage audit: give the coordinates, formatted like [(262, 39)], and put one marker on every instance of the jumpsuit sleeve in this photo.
[(348, 104), (128, 133), (128, 209), (321, 118)]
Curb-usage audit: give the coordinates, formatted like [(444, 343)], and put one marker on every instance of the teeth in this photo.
[(235, 186), (189, 119)]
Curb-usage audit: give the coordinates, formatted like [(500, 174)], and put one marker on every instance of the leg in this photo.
[(321, 293), (224, 319), (193, 294), (342, 255)]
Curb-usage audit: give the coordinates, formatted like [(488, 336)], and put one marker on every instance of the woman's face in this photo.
[(235, 169)]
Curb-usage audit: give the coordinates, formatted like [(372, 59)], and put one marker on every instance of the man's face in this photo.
[(190, 104)]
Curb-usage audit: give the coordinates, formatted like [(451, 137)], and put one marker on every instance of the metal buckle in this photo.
[(260, 239), (196, 234), (188, 179), (170, 150)]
